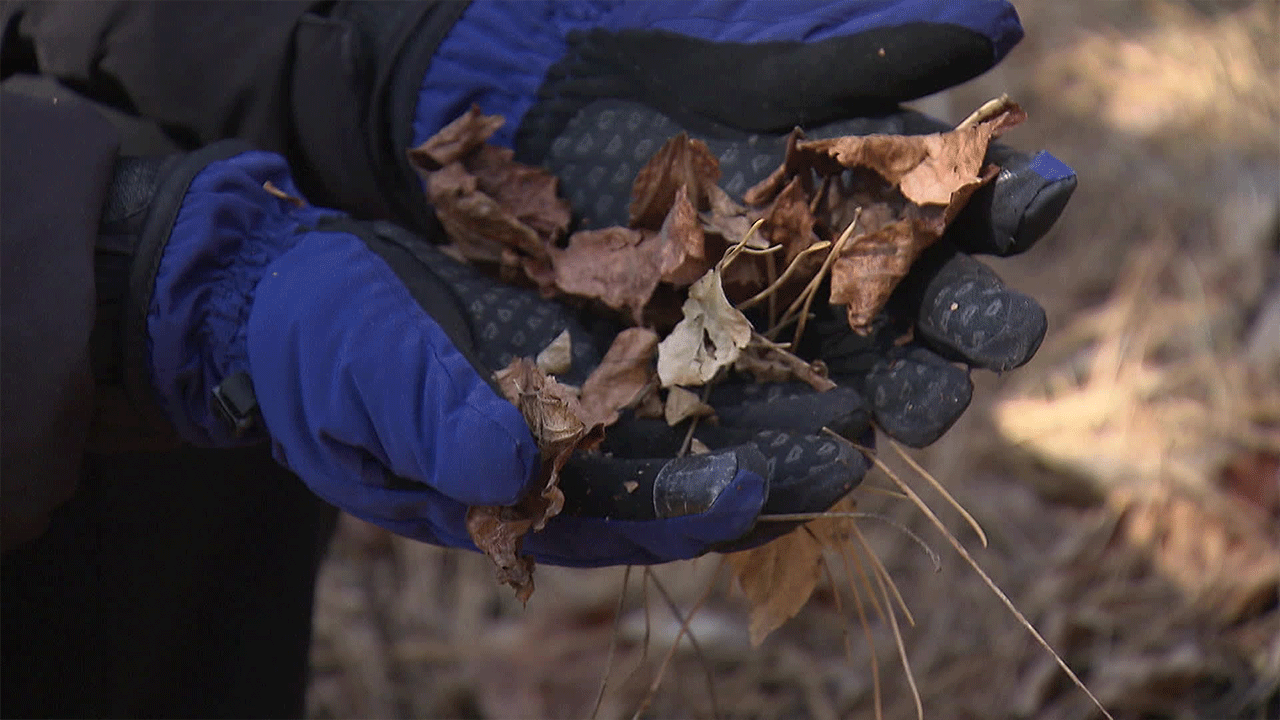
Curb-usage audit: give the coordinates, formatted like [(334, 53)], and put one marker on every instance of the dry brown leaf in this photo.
[(711, 336), (683, 404), (455, 140), (554, 416), (625, 372), (792, 165), (476, 223), (778, 577), (935, 175), (530, 194), (727, 219), (499, 532), (928, 169), (680, 162), (494, 209), (681, 244), (612, 265), (789, 222)]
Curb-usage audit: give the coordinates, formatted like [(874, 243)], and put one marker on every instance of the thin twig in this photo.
[(819, 196), (802, 370), (775, 285), (897, 636), (815, 281), (866, 583), (880, 571), (771, 275), (805, 517), (884, 491), (684, 629), (826, 267), (981, 573), (613, 642), (732, 253), (648, 626), (845, 551), (988, 110), (693, 422), (973, 523), (835, 592)]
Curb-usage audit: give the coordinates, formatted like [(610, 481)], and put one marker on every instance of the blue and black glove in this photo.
[(590, 90), (368, 354), (365, 355)]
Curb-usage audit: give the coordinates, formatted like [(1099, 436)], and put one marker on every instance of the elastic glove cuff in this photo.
[(212, 232)]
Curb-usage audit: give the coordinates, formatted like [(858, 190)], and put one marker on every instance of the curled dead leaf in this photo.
[(711, 336), (922, 182), (455, 140), (530, 194), (555, 419), (681, 243), (778, 577), (622, 377), (680, 162), (480, 227)]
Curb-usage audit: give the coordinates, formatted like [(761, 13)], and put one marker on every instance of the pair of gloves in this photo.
[(365, 355)]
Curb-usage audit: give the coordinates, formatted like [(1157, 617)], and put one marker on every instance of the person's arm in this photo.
[(302, 79), (58, 157)]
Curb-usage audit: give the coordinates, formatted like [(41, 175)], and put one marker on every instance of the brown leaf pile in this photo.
[(861, 208)]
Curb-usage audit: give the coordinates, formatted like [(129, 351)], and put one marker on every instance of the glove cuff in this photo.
[(142, 203), (206, 230)]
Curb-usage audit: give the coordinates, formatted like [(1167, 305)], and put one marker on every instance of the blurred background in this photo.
[(1128, 478)]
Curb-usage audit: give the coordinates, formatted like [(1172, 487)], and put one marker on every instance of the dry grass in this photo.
[(1128, 478)]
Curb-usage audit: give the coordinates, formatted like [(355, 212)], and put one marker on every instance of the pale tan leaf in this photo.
[(556, 358), (711, 336), (683, 404)]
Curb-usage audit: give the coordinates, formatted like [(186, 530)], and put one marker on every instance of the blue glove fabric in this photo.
[(498, 53), (362, 392), (585, 541)]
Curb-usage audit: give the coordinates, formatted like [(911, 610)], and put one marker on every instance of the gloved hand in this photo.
[(590, 90), (365, 355)]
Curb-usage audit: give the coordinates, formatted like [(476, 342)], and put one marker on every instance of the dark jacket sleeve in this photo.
[(310, 80), (56, 157)]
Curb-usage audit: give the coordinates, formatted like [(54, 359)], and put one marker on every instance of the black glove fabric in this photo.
[(959, 309), (366, 356)]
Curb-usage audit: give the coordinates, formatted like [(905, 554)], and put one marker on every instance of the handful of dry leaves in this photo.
[(857, 210)]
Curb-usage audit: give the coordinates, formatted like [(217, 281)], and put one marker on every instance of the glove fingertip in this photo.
[(992, 327), (1050, 202), (494, 459), (917, 398)]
